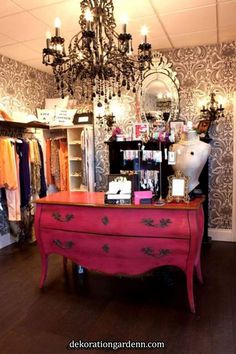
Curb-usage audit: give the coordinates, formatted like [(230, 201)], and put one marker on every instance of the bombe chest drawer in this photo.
[(126, 240)]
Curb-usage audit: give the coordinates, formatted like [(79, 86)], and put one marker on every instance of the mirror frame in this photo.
[(162, 69)]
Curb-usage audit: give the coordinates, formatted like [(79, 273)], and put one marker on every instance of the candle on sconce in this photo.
[(48, 39), (57, 24), (144, 32), (203, 108)]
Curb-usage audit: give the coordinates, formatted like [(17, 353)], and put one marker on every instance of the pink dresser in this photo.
[(129, 239)]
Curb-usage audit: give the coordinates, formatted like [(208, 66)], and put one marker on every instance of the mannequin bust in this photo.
[(191, 156)]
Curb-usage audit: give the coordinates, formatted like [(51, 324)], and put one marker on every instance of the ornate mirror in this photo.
[(160, 96)]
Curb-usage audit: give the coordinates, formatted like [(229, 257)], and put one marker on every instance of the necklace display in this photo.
[(189, 142)]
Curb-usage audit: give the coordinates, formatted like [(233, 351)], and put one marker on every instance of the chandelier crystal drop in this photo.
[(99, 61)]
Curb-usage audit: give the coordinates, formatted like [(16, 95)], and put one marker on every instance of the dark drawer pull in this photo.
[(66, 246), (57, 216)]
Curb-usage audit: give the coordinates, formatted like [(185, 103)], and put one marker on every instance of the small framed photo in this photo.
[(83, 118), (140, 129), (178, 188), (203, 126), (177, 125)]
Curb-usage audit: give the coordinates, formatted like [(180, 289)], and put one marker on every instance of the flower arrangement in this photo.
[(115, 131)]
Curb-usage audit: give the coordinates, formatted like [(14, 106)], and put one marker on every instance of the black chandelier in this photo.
[(99, 60)]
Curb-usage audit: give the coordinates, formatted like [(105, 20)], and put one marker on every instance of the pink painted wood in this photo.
[(127, 239)]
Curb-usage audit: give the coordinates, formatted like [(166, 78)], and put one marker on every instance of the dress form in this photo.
[(191, 156)]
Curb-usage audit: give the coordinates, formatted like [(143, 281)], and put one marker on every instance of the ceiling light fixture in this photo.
[(99, 60)]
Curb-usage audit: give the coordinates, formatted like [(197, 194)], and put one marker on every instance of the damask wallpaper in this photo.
[(22, 89), (200, 70)]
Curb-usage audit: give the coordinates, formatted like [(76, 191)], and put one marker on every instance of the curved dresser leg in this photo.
[(189, 276), (44, 269), (199, 272)]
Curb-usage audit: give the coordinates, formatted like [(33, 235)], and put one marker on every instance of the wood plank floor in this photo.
[(151, 308)]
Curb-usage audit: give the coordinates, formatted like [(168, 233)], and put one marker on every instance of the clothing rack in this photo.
[(20, 229), (12, 132)]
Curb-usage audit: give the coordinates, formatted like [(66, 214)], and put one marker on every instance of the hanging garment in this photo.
[(91, 167), (13, 195), (43, 187), (23, 152), (35, 165), (4, 225), (84, 148), (55, 162), (8, 173), (49, 177), (63, 161), (87, 149)]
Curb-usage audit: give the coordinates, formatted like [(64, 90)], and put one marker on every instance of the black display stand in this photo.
[(117, 164), (116, 161)]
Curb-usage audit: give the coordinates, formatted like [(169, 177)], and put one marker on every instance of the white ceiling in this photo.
[(171, 23)]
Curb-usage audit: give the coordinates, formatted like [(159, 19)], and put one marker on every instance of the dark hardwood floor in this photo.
[(98, 307)]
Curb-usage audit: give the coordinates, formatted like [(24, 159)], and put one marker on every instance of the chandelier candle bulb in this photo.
[(89, 19), (124, 22), (57, 26), (144, 32)]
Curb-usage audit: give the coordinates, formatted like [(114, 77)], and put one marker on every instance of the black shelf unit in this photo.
[(116, 149), (116, 160)]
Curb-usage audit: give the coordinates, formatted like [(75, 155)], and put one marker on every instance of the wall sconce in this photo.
[(106, 119), (212, 110)]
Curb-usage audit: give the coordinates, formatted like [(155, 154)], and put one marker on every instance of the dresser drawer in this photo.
[(117, 221), (116, 254)]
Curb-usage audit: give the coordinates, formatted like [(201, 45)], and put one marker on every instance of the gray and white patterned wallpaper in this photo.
[(200, 70), (22, 89)]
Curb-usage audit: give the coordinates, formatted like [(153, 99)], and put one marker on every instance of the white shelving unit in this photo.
[(80, 158), (80, 140)]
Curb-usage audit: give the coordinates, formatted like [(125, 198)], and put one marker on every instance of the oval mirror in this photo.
[(160, 95)]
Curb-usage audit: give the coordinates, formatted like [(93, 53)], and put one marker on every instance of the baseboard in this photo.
[(222, 235), (6, 240)]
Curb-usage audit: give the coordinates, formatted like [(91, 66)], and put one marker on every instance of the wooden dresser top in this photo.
[(96, 199)]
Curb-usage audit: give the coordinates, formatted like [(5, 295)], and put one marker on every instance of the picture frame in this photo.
[(203, 127), (83, 118), (177, 125), (140, 129), (178, 188)]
